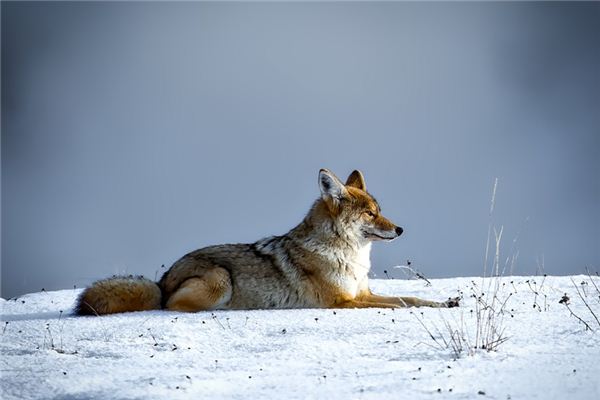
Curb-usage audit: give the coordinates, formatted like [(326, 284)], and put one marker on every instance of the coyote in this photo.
[(321, 263)]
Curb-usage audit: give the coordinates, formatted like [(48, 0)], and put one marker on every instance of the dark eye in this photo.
[(370, 214)]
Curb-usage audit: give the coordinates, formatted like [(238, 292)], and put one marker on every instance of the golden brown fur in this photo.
[(119, 294), (322, 262)]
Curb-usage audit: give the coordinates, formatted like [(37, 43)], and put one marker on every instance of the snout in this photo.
[(388, 234)]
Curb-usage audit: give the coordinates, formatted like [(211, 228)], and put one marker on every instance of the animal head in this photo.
[(353, 209)]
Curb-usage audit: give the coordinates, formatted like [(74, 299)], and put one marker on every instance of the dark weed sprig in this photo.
[(536, 291)]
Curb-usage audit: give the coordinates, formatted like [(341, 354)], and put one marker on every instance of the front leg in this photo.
[(363, 304), (408, 301)]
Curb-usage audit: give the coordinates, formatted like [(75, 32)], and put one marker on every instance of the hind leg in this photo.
[(210, 291)]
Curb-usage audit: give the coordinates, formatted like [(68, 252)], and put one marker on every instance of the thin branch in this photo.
[(585, 302), (576, 316)]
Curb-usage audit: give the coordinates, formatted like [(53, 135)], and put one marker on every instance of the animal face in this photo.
[(354, 210)]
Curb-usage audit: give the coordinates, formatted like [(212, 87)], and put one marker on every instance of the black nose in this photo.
[(399, 231)]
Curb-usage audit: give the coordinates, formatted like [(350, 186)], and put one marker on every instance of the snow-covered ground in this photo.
[(369, 353)]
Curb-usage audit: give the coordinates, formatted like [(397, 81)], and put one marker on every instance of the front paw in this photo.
[(452, 302)]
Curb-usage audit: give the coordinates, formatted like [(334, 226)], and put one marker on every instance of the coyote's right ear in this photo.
[(331, 187)]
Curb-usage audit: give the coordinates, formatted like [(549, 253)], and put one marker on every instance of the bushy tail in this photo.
[(119, 294)]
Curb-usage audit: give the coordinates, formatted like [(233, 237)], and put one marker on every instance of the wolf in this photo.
[(321, 263)]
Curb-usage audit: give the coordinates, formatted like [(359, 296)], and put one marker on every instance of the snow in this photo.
[(366, 353)]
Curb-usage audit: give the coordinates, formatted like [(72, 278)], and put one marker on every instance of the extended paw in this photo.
[(452, 302)]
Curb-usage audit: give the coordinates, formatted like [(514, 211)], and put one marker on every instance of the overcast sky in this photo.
[(133, 133)]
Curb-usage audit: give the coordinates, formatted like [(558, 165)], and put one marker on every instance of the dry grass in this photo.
[(484, 329)]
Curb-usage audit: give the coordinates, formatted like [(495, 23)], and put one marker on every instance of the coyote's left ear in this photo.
[(357, 180), (331, 187)]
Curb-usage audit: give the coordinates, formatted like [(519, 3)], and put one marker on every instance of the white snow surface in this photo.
[(48, 353)]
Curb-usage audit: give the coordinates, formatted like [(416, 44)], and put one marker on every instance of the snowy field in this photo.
[(370, 353)]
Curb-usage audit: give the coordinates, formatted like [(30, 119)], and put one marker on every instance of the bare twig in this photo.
[(593, 283), (587, 326), (414, 271), (585, 302), (440, 345)]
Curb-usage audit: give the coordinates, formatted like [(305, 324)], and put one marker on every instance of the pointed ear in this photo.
[(331, 186), (357, 180)]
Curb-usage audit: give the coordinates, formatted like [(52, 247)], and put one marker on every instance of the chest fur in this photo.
[(350, 272)]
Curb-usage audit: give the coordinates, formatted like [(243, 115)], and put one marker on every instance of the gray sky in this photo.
[(133, 133)]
